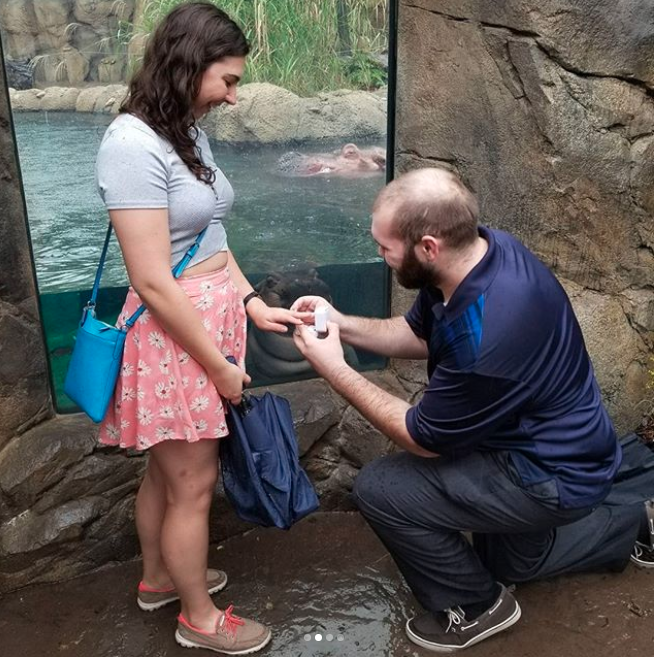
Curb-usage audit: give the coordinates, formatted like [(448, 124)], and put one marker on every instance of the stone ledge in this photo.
[(265, 113)]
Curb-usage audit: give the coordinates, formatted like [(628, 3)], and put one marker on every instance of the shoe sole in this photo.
[(152, 606), (436, 647), (642, 564), (639, 550), (187, 643)]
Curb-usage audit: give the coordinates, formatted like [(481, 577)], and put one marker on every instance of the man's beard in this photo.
[(413, 274)]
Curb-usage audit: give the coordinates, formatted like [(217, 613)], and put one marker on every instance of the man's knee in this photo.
[(369, 490)]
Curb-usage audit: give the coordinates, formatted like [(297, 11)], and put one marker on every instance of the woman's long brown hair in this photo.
[(189, 39)]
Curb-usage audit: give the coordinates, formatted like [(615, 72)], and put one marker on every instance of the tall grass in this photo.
[(297, 44)]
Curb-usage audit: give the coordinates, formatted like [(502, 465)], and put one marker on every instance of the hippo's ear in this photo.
[(269, 282), (379, 160), (350, 152)]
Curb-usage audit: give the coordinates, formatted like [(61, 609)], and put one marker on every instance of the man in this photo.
[(510, 440)]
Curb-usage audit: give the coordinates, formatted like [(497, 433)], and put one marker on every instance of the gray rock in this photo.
[(37, 460), (30, 531), (105, 100), (52, 99), (19, 74), (619, 355), (638, 306), (315, 411), (360, 441), (98, 474), (24, 392), (66, 39), (269, 114)]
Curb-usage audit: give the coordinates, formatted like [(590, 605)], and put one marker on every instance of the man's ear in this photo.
[(430, 247)]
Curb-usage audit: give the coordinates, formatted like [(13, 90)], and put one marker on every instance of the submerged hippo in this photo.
[(274, 355), (349, 160)]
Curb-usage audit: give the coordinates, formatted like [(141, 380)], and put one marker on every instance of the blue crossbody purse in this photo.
[(98, 352)]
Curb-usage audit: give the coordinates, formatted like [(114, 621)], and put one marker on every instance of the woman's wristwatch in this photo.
[(248, 297)]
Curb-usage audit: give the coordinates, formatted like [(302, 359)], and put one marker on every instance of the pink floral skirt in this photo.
[(162, 393)]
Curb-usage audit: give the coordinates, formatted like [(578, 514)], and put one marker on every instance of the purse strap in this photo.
[(177, 272)]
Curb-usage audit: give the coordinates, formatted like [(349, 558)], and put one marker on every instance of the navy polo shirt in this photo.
[(508, 370)]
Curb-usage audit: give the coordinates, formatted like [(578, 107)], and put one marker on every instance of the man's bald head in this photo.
[(430, 202)]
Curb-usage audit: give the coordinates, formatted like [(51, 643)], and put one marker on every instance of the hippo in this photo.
[(348, 161), (281, 289), (274, 355)]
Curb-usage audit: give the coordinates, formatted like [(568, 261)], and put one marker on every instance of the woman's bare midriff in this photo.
[(215, 262)]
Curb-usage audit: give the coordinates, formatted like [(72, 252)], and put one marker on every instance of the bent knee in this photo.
[(368, 491)]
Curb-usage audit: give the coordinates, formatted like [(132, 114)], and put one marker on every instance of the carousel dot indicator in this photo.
[(318, 637)]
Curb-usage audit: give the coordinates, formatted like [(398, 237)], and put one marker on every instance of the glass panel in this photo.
[(300, 222)]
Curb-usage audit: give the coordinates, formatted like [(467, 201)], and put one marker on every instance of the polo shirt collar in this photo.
[(475, 283)]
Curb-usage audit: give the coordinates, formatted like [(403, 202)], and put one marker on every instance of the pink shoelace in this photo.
[(229, 622)]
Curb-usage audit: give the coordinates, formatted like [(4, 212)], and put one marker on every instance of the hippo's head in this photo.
[(281, 289), (367, 159), (350, 160)]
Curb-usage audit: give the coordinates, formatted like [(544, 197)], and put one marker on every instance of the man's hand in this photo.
[(383, 410), (308, 304), (324, 354)]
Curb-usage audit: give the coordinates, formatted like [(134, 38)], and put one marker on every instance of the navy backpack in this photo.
[(260, 463)]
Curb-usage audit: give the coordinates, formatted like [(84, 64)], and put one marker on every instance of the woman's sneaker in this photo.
[(232, 636), (149, 599)]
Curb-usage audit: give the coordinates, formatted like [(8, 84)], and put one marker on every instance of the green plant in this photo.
[(299, 44), (364, 72)]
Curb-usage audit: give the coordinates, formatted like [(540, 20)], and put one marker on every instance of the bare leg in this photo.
[(189, 472), (150, 511)]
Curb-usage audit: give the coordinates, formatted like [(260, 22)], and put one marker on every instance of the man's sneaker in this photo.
[(149, 599), (643, 554), (232, 636), (450, 630)]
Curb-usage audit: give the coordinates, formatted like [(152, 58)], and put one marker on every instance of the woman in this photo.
[(159, 181)]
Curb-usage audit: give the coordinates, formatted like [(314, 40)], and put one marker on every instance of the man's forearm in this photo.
[(384, 411), (388, 337)]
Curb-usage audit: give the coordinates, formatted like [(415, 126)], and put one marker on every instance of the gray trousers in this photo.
[(420, 508)]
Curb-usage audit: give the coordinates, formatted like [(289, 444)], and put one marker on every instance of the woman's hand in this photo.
[(230, 380), (271, 318)]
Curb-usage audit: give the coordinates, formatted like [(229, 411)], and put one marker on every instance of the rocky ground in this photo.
[(328, 576)]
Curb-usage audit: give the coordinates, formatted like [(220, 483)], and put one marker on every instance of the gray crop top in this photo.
[(136, 168)]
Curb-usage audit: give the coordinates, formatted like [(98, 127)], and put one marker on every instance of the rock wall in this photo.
[(67, 505), (546, 110), (24, 387), (70, 41)]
